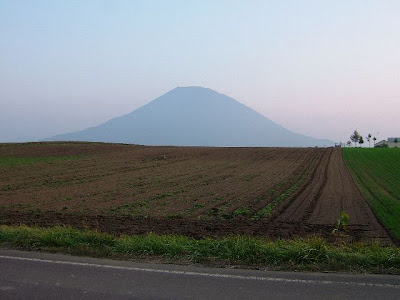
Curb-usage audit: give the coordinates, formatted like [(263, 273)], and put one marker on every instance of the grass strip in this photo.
[(11, 161), (307, 254)]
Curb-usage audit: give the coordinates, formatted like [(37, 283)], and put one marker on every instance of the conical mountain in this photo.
[(194, 116)]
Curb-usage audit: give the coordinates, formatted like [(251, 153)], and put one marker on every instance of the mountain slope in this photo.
[(194, 116)]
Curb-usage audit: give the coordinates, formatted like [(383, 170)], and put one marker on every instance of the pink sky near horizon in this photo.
[(318, 68)]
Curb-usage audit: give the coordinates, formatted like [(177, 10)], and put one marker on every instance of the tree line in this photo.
[(358, 139)]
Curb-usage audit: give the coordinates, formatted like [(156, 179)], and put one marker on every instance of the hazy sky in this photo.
[(320, 68)]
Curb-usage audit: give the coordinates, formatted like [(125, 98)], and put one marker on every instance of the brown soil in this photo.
[(195, 191), (331, 191)]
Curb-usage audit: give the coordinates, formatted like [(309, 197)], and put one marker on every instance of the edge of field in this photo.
[(305, 254), (369, 180)]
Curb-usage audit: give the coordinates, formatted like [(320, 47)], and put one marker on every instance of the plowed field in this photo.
[(196, 191)]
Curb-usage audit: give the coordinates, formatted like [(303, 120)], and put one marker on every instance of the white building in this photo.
[(394, 142), (390, 143)]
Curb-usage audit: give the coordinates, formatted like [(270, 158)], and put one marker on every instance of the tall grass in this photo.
[(377, 173), (300, 254)]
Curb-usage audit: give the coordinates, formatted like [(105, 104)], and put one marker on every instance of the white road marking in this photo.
[(6, 288), (203, 274)]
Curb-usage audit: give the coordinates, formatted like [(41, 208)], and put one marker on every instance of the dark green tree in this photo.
[(355, 137), (395, 142), (361, 141), (369, 139)]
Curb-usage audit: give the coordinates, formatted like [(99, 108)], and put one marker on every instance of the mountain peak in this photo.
[(193, 90), (192, 87), (194, 116)]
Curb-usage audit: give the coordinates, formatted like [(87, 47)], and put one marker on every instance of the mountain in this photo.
[(193, 116)]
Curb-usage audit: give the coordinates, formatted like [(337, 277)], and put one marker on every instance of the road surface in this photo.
[(31, 275)]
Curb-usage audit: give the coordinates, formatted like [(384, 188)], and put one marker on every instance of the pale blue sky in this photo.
[(320, 68)]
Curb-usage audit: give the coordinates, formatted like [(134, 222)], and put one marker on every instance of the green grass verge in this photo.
[(377, 173), (312, 254)]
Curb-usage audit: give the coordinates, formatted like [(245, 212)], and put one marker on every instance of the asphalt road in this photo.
[(30, 275)]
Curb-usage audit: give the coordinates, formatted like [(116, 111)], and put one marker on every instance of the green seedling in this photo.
[(342, 225)]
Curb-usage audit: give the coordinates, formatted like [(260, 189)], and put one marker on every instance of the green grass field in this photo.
[(377, 173)]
